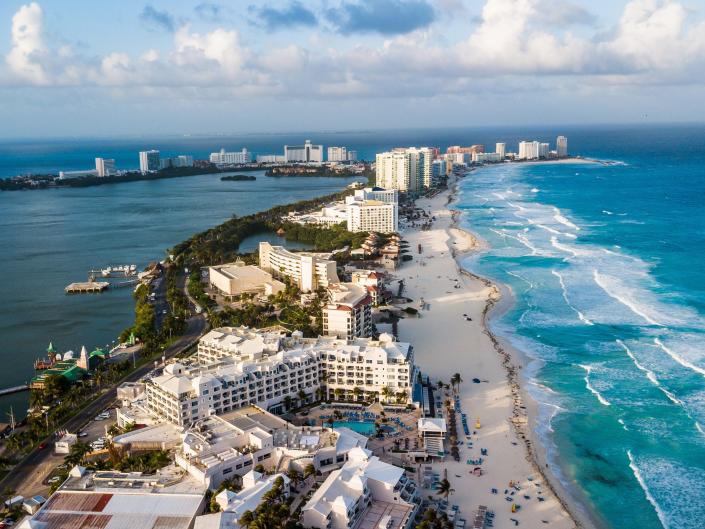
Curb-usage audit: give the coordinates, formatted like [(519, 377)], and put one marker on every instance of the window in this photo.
[(227, 471)]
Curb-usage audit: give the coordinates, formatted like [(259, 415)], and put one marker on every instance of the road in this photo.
[(38, 463)]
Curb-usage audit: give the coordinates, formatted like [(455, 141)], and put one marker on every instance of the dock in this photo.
[(87, 287), (15, 389)]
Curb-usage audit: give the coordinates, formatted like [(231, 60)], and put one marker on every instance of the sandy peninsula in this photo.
[(449, 336)]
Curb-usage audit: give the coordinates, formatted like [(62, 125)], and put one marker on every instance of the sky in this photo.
[(122, 67)]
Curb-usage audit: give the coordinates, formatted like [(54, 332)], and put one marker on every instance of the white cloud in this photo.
[(25, 57), (515, 41)]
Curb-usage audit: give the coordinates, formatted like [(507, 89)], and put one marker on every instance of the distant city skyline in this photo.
[(79, 68)]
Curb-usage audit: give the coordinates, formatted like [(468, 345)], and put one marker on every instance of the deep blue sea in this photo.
[(607, 267)]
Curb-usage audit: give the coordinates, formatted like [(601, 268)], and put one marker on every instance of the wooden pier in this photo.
[(87, 287)]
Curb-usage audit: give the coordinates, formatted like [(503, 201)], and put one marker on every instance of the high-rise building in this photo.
[(341, 154), (439, 169), (529, 150), (457, 149), (348, 312), (501, 149), (307, 270), (105, 166), (149, 161), (543, 150), (230, 158), (182, 160), (305, 153), (561, 146), (405, 169), (372, 215)]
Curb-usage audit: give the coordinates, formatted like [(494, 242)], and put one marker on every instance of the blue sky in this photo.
[(133, 67)]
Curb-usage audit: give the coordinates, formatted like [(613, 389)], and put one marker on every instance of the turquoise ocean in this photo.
[(606, 265)]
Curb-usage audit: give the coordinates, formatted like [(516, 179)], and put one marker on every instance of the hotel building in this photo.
[(305, 153), (348, 314), (238, 367), (406, 170), (230, 158), (561, 146), (307, 270), (365, 492), (529, 150), (372, 215), (341, 154), (149, 161), (501, 149), (105, 166), (237, 278)]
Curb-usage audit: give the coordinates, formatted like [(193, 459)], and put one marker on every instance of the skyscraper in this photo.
[(149, 161), (307, 152), (562, 146), (405, 169), (105, 166), (501, 149)]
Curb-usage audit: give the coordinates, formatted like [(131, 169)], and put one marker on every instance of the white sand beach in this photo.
[(445, 342)]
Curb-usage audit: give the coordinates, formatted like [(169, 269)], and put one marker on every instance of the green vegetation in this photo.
[(433, 520), (307, 170), (195, 289), (272, 513), (220, 244), (50, 181), (143, 327), (321, 238)]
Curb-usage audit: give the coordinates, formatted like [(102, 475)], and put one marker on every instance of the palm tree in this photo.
[(309, 470), (357, 392), (302, 397), (288, 402), (246, 519), (387, 392), (455, 381), (444, 489), (295, 476), (337, 392), (402, 396)]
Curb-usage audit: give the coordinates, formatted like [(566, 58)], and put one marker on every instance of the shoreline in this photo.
[(514, 361), (455, 303)]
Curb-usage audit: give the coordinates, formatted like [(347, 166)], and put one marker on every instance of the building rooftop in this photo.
[(117, 500)]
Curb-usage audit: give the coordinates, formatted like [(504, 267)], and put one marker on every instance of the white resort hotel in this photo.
[(307, 270), (238, 367)]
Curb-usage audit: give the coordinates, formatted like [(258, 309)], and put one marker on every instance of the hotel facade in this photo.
[(237, 367), (307, 270)]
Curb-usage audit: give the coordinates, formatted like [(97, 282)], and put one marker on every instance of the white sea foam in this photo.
[(567, 249), (647, 493), (611, 285), (699, 428), (523, 240), (620, 421), (591, 389), (518, 276), (649, 374), (682, 361), (581, 316), (534, 190), (560, 218), (607, 212)]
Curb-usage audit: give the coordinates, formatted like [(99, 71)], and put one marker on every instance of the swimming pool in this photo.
[(365, 428)]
